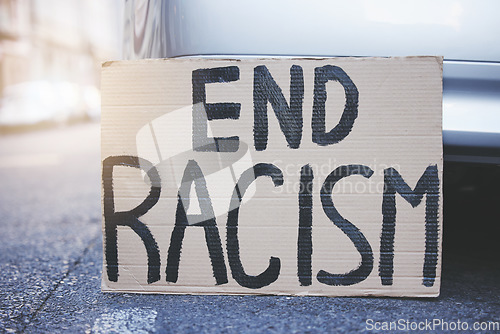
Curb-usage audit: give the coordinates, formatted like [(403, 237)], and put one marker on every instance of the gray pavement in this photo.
[(50, 264)]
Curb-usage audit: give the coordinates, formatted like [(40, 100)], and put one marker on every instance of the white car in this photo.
[(465, 32)]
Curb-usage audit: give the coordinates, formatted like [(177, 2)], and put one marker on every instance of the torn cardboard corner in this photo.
[(273, 176)]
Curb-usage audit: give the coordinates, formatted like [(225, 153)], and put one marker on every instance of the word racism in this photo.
[(289, 116)]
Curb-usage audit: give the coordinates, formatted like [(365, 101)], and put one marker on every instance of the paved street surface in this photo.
[(51, 261)]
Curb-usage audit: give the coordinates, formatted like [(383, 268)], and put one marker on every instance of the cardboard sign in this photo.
[(273, 176)]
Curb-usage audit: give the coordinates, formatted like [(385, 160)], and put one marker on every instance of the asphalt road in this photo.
[(51, 262)]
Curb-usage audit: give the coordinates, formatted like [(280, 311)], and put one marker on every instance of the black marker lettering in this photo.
[(427, 184), (233, 247), (304, 243), (289, 117), (129, 218), (321, 76), (356, 236), (206, 219), (203, 111)]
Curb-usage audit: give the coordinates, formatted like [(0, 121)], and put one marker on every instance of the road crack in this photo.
[(70, 269)]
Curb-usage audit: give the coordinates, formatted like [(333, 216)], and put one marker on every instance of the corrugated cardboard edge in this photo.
[(360, 293), (109, 63)]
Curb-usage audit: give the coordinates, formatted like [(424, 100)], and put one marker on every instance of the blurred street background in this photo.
[(50, 56), (50, 206)]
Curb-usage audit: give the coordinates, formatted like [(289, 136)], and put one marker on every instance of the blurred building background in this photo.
[(50, 57)]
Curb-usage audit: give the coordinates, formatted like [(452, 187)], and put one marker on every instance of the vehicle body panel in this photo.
[(465, 32)]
